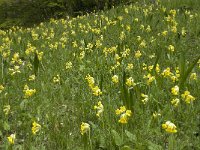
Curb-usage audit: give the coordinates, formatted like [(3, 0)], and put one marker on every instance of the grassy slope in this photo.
[(61, 107)]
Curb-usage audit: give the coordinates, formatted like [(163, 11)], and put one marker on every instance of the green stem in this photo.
[(90, 141)]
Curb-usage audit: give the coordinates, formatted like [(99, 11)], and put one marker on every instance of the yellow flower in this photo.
[(130, 82), (193, 76), (31, 77), (1, 88), (175, 90), (169, 127), (11, 138), (99, 107), (6, 109), (56, 79), (175, 102), (167, 72), (129, 67), (145, 98), (28, 92), (138, 54), (171, 48), (96, 91), (155, 115), (85, 127), (124, 114), (68, 65), (149, 78), (187, 97), (164, 33), (115, 79), (172, 12), (90, 80), (35, 127)]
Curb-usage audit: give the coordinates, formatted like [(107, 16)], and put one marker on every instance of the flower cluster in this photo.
[(35, 127), (85, 127), (99, 108), (124, 114), (28, 92), (95, 89), (169, 127)]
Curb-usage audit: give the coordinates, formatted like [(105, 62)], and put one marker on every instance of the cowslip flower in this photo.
[(193, 76), (169, 127), (31, 78), (1, 88), (56, 79), (171, 48), (68, 65), (175, 90), (6, 109), (11, 138), (175, 102), (138, 54), (90, 80), (130, 82), (167, 72), (187, 97), (145, 98), (149, 78), (35, 127), (96, 91), (85, 127), (115, 79), (129, 67), (99, 108), (156, 115), (28, 92), (124, 114)]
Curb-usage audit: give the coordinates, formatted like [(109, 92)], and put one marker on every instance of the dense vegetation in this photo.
[(29, 12), (127, 78)]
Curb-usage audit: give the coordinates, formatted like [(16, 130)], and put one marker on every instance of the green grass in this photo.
[(63, 98)]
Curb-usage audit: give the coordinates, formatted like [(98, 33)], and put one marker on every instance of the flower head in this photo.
[(99, 107), (115, 79), (35, 127), (130, 82), (28, 92), (11, 138), (138, 54), (96, 91), (175, 90), (187, 97), (169, 127), (6, 109), (1, 88), (175, 102), (85, 127), (145, 98), (124, 114)]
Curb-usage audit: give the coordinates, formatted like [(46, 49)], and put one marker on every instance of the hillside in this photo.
[(127, 78)]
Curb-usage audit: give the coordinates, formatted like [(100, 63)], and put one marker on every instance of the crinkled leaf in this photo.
[(131, 136), (117, 139)]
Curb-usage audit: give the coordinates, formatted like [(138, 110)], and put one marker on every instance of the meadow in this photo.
[(123, 79)]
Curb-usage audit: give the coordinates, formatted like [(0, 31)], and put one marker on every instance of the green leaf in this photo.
[(126, 148), (152, 146), (185, 75), (36, 64), (117, 139), (131, 136), (102, 142), (6, 126)]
